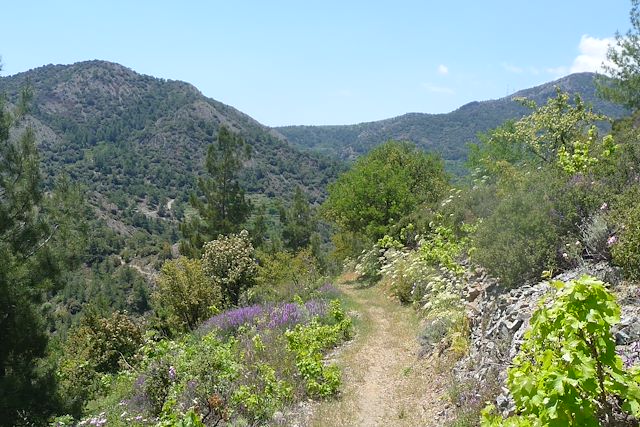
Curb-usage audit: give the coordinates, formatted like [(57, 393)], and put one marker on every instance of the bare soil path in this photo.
[(385, 383)]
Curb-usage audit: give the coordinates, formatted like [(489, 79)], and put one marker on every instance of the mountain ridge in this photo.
[(92, 103), (445, 133)]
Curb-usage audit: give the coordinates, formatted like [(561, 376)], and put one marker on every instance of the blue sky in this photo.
[(322, 62)]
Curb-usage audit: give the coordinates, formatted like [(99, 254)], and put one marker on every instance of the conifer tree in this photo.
[(298, 222), (223, 207), (39, 238)]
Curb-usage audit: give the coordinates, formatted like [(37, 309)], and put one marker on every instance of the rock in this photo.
[(472, 294), (502, 402), (514, 325), (279, 418), (622, 338)]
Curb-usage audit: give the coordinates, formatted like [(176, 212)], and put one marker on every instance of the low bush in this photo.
[(517, 242), (241, 377), (308, 343), (184, 296), (282, 276), (97, 346), (625, 244)]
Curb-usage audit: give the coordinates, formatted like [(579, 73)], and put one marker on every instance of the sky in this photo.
[(323, 62)]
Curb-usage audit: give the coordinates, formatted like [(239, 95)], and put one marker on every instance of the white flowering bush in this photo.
[(427, 282), (409, 274), (369, 264), (446, 321), (230, 262)]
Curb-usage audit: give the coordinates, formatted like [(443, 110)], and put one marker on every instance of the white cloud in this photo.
[(512, 68), (443, 70), (437, 89), (593, 52)]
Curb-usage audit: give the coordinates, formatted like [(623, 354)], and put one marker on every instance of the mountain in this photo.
[(137, 144), (447, 134), (125, 133)]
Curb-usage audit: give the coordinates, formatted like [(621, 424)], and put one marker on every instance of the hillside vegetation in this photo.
[(446, 134), (150, 275), (119, 131)]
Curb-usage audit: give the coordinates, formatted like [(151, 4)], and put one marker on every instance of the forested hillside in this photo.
[(136, 145), (446, 134), (128, 135)]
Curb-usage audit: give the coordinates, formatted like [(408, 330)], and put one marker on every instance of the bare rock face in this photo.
[(499, 318)]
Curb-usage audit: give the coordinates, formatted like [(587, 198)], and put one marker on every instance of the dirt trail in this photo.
[(385, 383)]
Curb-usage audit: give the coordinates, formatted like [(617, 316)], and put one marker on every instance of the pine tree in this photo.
[(22, 231), (299, 222), (40, 237), (223, 207)]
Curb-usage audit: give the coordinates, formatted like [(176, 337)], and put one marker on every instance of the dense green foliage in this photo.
[(38, 242), (625, 245), (624, 84), (184, 295), (382, 188), (97, 346), (543, 177), (308, 342), (518, 241), (567, 371)]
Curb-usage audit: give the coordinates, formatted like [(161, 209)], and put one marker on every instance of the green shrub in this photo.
[(567, 372), (308, 342), (283, 275), (442, 248), (184, 295), (625, 245), (229, 261), (97, 346), (261, 399), (518, 241)]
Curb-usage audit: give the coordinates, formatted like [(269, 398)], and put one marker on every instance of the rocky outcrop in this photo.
[(499, 318)]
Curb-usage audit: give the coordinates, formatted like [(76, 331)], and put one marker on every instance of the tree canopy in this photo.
[(624, 86), (384, 186)]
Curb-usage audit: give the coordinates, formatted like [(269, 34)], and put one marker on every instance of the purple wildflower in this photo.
[(283, 315), (232, 319), (316, 308), (271, 317), (631, 355), (612, 240)]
